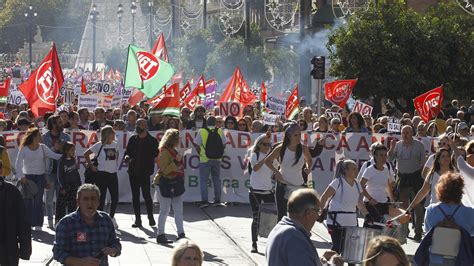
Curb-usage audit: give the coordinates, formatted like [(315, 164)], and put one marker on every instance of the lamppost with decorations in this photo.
[(133, 9), (150, 5), (119, 16), (94, 13), (30, 14)]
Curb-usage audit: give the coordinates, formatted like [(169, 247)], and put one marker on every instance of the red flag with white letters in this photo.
[(292, 105), (159, 49), (183, 93), (42, 87), (428, 105), (339, 91)]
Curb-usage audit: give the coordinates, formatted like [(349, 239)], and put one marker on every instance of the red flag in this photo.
[(5, 87), (183, 94), (167, 92), (193, 99), (159, 49), (237, 90), (263, 94), (169, 103), (201, 88), (83, 87), (339, 91), (136, 97), (42, 87), (292, 104), (428, 105)]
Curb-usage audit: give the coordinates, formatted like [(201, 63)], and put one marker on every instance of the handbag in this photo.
[(171, 187), (90, 177)]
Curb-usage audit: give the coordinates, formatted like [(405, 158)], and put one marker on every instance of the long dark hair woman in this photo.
[(107, 154), (442, 164), (230, 123), (261, 187), (356, 123), (289, 155), (31, 167)]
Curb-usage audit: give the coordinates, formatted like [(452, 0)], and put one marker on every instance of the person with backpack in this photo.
[(291, 155), (450, 226), (442, 164), (210, 144), (377, 183), (344, 194), (261, 187)]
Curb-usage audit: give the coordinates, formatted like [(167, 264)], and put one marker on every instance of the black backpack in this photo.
[(214, 147)]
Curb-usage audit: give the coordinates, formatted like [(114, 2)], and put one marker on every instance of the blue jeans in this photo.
[(34, 207), (212, 167), (165, 205), (50, 193)]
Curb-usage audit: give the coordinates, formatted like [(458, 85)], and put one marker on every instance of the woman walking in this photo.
[(107, 155), (289, 177), (261, 187), (344, 194), (171, 183), (31, 166)]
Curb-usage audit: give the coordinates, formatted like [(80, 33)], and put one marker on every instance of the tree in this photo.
[(398, 53)]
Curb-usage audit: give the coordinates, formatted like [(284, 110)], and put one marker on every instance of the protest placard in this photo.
[(88, 101), (269, 119), (229, 109), (331, 115), (362, 108), (16, 98), (276, 105)]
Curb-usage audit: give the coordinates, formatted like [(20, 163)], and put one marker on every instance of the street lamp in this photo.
[(29, 14), (119, 15), (133, 8), (93, 16), (150, 5)]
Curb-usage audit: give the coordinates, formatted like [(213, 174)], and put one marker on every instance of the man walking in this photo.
[(141, 152), (54, 139), (210, 144), (86, 236), (410, 156)]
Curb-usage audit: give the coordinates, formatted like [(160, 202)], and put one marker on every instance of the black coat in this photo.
[(15, 232), (149, 151)]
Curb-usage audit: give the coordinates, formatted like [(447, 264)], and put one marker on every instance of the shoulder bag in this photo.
[(90, 177)]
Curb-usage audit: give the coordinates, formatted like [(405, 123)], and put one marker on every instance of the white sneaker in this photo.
[(115, 223)]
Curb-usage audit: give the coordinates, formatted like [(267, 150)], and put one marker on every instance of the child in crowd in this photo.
[(69, 181)]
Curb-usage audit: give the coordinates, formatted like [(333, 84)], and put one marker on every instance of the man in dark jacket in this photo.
[(100, 120), (15, 232), (141, 152)]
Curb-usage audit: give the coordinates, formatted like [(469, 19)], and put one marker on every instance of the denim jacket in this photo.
[(48, 141)]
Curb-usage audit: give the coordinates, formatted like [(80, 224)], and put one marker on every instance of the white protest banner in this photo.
[(116, 101), (362, 108), (269, 119), (104, 100), (229, 109), (104, 87), (88, 101), (235, 183), (331, 115), (394, 127), (16, 98), (276, 105)]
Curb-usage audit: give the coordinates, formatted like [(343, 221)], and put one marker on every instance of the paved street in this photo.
[(222, 232)]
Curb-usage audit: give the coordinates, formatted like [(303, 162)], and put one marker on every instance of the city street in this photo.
[(222, 232)]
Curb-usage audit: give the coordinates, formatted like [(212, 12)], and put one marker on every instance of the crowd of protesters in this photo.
[(400, 171)]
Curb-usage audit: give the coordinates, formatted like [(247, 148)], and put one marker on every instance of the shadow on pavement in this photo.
[(43, 237), (212, 258), (126, 236)]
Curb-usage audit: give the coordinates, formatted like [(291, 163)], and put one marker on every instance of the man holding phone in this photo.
[(86, 236)]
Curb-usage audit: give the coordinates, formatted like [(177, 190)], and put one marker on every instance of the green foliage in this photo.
[(396, 52)]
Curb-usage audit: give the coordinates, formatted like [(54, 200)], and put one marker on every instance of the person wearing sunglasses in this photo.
[(261, 187)]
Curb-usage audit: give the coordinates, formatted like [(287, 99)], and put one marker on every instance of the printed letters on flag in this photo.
[(210, 100), (169, 104), (428, 105), (292, 104), (146, 72), (183, 93), (339, 91), (5, 87), (238, 90), (192, 100), (42, 87)]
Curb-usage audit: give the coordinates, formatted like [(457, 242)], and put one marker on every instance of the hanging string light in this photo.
[(280, 15), (231, 16)]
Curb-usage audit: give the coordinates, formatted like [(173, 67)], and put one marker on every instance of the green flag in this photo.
[(146, 72)]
